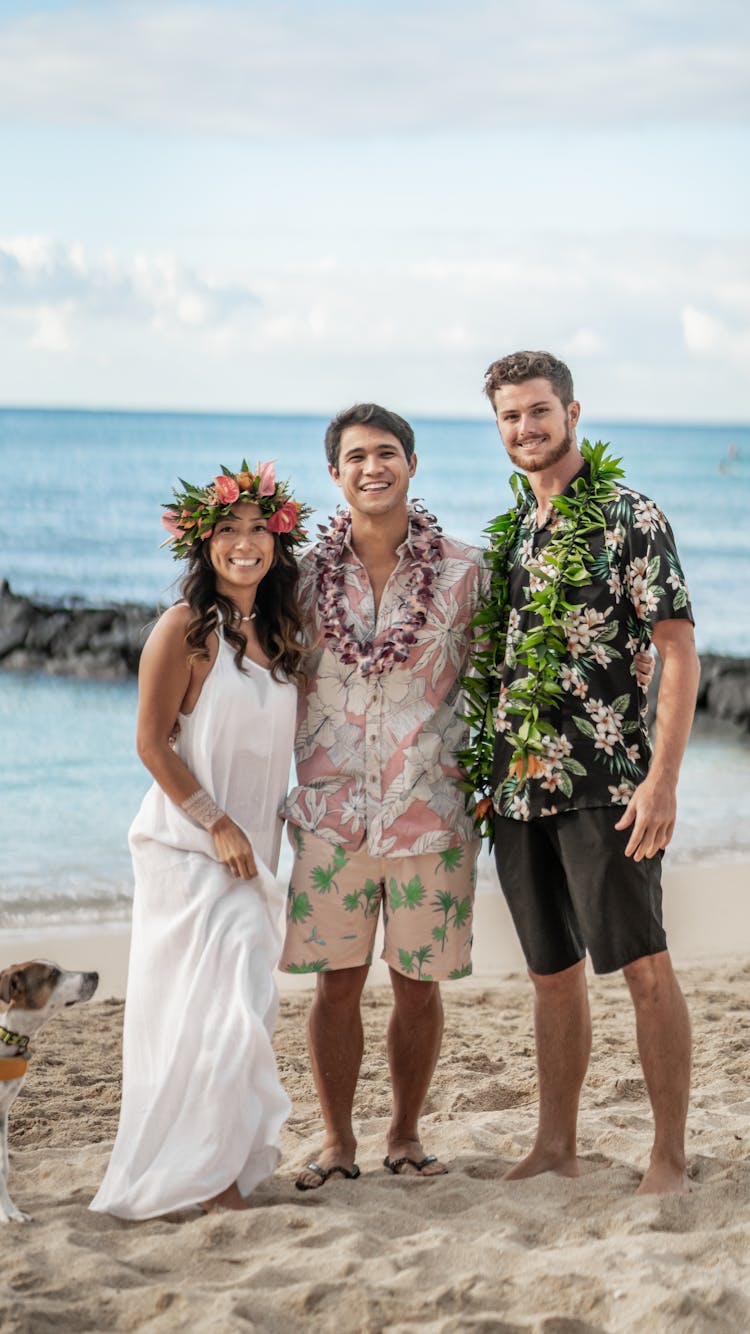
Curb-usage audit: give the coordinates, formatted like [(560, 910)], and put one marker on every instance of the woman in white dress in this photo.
[(202, 1105)]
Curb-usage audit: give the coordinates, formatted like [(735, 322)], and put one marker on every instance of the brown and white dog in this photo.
[(30, 993)]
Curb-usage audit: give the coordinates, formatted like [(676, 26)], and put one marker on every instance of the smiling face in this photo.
[(536, 429), (241, 550), (373, 471)]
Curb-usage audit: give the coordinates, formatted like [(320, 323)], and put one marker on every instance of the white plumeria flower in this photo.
[(536, 584), (606, 739), (581, 630), (502, 721), (647, 516), (637, 567), (643, 598), (557, 748), (599, 712), (648, 603), (569, 678), (614, 584)]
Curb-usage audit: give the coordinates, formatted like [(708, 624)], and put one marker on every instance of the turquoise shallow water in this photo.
[(86, 490), (72, 784)]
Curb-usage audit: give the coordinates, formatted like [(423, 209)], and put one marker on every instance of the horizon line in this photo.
[(309, 415)]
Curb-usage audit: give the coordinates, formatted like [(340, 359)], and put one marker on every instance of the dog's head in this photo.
[(43, 987)]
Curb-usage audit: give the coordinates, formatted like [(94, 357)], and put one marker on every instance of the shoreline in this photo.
[(706, 916)]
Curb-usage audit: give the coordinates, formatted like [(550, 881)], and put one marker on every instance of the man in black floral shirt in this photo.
[(579, 871)]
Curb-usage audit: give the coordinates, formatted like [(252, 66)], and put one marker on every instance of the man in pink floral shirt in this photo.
[(378, 818)]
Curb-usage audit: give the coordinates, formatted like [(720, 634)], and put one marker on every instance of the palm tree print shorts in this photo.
[(335, 897)]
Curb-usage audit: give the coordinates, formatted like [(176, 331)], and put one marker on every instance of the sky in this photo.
[(288, 207)]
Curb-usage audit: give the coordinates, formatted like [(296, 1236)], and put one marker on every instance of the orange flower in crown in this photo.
[(193, 513)]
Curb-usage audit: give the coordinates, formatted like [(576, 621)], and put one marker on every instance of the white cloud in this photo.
[(711, 336), (52, 333), (633, 318), (266, 72), (585, 343), (702, 332), (56, 288)]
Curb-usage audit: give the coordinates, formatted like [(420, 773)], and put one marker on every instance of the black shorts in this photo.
[(570, 888)]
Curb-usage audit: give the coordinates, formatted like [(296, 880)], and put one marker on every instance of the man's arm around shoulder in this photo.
[(652, 808)]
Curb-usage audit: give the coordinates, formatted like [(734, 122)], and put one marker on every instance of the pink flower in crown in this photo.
[(285, 519), (171, 522), (226, 489), (267, 483)]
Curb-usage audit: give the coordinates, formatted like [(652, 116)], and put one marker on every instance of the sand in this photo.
[(468, 1251)]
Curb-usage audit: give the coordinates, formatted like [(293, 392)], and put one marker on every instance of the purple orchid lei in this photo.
[(424, 538)]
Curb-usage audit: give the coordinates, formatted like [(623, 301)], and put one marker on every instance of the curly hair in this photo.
[(367, 414), (521, 366), (279, 624)]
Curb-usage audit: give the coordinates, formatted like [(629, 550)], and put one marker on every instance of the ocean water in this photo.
[(86, 490), (83, 492)]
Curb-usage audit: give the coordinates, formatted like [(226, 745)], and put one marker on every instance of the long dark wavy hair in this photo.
[(278, 624)]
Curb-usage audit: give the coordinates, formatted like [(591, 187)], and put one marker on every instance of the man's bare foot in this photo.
[(407, 1158), (334, 1161), (543, 1159), (228, 1199), (664, 1178)]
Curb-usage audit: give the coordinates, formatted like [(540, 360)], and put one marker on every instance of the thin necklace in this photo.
[(251, 617)]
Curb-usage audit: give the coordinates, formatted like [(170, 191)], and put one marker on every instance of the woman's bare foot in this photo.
[(228, 1199)]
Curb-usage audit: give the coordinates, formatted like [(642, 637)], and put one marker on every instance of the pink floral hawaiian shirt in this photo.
[(375, 755)]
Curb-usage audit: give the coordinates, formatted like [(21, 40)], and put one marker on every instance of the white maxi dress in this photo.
[(202, 1104)]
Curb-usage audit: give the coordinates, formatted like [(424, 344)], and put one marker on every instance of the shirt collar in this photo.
[(407, 546)]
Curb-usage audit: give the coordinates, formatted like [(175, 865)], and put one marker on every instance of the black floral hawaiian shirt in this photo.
[(601, 749)]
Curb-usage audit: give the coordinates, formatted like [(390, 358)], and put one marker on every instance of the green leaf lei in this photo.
[(565, 563)]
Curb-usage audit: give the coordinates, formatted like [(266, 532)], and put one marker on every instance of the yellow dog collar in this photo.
[(19, 1040)]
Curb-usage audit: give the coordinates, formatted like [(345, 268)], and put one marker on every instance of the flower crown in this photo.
[(192, 514)]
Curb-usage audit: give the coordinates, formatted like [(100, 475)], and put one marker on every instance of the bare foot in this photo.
[(336, 1159), (228, 1199), (407, 1158), (542, 1159), (664, 1178)]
